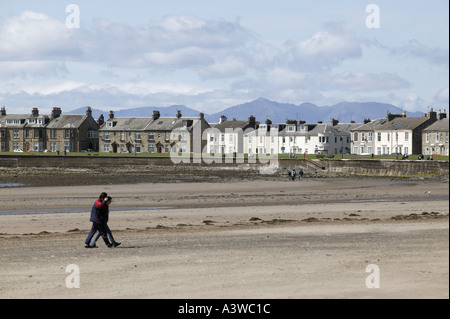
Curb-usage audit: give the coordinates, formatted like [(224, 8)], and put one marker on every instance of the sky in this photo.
[(210, 55)]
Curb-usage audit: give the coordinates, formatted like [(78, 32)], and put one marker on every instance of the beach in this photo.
[(266, 238)]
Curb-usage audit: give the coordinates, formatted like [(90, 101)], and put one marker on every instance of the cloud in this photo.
[(323, 50), (442, 96), (417, 49), (33, 36), (360, 81)]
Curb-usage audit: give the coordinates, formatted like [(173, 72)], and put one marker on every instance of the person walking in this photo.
[(294, 173), (105, 217), (97, 222), (300, 174)]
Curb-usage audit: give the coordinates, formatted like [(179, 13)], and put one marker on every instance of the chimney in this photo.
[(56, 112), (155, 115), (111, 115), (441, 115), (3, 111), (201, 116), (432, 115), (35, 112), (390, 116), (101, 120), (178, 114), (223, 118), (268, 121), (334, 122), (89, 111), (252, 121), (366, 121)]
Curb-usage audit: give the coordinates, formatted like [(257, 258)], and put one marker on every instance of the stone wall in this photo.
[(330, 167)]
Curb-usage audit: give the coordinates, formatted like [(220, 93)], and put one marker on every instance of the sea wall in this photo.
[(330, 167)]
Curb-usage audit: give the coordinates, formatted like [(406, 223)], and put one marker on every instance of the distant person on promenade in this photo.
[(294, 173), (97, 222), (105, 217)]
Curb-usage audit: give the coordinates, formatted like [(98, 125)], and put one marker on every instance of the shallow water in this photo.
[(71, 210), (7, 185)]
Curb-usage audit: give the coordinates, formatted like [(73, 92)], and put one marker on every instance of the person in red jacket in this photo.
[(98, 223), (105, 218)]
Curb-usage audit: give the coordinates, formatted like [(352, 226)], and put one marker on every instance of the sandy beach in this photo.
[(266, 239)]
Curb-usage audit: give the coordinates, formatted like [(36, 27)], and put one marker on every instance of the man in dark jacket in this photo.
[(98, 223)]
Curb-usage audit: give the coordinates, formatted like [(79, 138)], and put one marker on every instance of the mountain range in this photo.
[(263, 109)]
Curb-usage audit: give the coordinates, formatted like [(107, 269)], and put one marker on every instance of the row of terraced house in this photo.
[(57, 132)]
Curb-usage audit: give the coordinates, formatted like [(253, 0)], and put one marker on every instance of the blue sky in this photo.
[(209, 55)]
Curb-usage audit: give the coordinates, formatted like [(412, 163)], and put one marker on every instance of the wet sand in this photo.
[(232, 239)]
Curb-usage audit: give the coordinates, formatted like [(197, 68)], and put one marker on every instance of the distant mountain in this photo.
[(344, 112), (263, 109)]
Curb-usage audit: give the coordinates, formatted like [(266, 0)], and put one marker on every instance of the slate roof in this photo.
[(371, 126), (66, 121), (232, 125), (403, 123), (127, 124), (439, 126)]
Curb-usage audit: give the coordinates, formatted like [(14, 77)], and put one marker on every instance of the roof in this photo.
[(439, 126), (127, 124), (371, 126), (166, 124), (21, 117), (66, 121), (232, 125), (403, 123)]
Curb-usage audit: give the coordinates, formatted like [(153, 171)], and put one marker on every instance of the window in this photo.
[(355, 136), (53, 146), (138, 136), (406, 136), (438, 137), (53, 134), (36, 133), (15, 133), (91, 134), (138, 148), (107, 147), (67, 134), (427, 137), (107, 136), (388, 136), (151, 137), (122, 136), (167, 138), (151, 148), (379, 136), (370, 137)]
